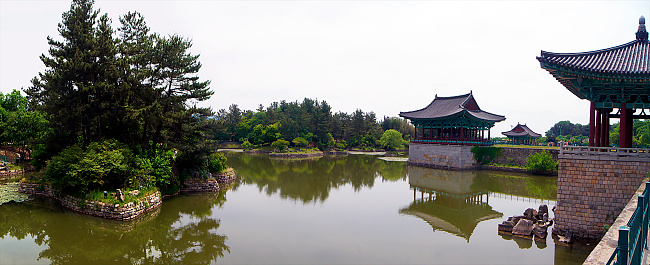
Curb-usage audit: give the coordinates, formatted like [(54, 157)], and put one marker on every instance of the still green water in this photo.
[(331, 210)]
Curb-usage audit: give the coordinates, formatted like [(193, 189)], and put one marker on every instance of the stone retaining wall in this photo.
[(295, 155), (200, 185), (592, 191), (517, 156), (127, 211), (10, 173), (607, 245), (122, 212), (441, 156)]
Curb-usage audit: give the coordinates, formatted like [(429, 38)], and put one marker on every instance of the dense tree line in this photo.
[(309, 121), (18, 124), (127, 95), (578, 134), (568, 128)]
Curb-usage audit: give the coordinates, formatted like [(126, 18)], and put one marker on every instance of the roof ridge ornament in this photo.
[(642, 33)]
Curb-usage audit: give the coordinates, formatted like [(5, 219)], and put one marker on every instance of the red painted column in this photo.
[(592, 124), (598, 130), (607, 130), (603, 129), (622, 137), (630, 128)]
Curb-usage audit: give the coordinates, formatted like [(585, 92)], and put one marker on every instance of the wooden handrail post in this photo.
[(623, 238)]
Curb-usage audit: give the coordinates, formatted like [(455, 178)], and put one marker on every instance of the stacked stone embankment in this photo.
[(441, 156), (592, 191), (296, 155), (125, 211), (518, 156), (130, 210)]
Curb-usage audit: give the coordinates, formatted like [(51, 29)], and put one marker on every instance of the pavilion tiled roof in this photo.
[(631, 59), (521, 130), (443, 107)]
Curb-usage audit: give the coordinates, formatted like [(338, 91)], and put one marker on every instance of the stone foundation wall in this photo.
[(443, 156), (226, 177), (518, 156), (295, 155), (200, 185), (123, 212), (593, 189), (127, 211)]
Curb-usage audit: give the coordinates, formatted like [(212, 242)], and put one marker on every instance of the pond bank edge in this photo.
[(127, 211)]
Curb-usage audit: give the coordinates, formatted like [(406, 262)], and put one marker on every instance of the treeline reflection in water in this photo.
[(181, 232), (187, 229)]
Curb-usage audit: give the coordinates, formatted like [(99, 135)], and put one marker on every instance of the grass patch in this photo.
[(98, 195)]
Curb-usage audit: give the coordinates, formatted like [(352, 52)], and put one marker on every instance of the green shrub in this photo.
[(391, 140), (247, 145), (217, 163), (104, 164), (485, 154), (541, 162), (153, 167), (280, 144), (300, 141)]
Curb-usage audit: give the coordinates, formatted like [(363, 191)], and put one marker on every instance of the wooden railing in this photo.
[(632, 238), (604, 151)]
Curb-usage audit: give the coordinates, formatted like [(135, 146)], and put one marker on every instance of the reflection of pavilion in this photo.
[(447, 202)]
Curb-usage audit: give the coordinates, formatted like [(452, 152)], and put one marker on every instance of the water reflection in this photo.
[(448, 200), (177, 233), (311, 180)]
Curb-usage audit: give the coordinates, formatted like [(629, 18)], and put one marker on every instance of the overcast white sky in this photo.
[(381, 56)]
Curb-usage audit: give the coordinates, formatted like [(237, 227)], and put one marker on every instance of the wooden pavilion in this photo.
[(454, 120), (611, 78), (521, 134)]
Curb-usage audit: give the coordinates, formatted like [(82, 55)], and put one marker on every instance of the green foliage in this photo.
[(136, 86), (309, 119), (217, 163), (341, 144), (247, 145), (392, 140), (541, 162), (280, 144), (102, 165), (153, 167), (567, 128), (300, 142), (485, 154), (18, 125)]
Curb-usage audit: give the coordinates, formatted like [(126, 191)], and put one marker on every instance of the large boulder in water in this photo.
[(506, 226), (523, 228), (530, 214), (540, 231), (542, 209)]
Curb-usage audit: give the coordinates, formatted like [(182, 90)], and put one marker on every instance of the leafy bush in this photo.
[(391, 140), (341, 144), (300, 141), (103, 165), (247, 145), (541, 162), (217, 163), (153, 167), (485, 154), (280, 144)]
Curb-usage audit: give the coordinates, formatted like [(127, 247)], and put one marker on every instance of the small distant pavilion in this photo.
[(611, 78), (521, 134), (454, 120)]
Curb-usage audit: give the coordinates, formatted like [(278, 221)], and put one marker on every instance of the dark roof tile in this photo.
[(442, 107)]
